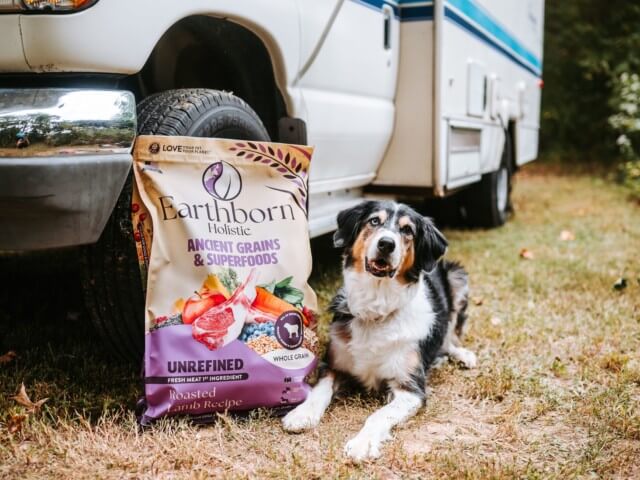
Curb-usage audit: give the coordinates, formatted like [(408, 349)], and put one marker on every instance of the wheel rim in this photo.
[(502, 189)]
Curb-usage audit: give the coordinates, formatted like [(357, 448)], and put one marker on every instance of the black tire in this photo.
[(112, 284), (487, 204)]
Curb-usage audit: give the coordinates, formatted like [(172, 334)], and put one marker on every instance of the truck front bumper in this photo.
[(64, 157)]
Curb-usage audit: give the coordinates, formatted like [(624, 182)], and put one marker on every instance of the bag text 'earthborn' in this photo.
[(222, 238)]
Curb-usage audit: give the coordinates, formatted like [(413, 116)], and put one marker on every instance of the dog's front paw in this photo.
[(300, 418), (467, 358), (363, 447)]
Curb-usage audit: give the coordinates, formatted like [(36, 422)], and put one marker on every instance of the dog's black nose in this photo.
[(386, 245)]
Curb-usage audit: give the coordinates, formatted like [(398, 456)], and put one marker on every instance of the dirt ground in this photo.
[(556, 393)]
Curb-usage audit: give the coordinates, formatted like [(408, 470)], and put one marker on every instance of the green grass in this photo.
[(556, 393)]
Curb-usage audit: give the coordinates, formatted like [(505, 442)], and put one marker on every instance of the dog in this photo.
[(292, 330), (400, 309)]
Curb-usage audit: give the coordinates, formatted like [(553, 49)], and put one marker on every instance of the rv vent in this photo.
[(464, 140)]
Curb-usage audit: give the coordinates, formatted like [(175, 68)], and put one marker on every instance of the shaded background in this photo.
[(591, 97)]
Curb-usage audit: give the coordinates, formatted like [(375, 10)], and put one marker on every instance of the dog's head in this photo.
[(388, 239)]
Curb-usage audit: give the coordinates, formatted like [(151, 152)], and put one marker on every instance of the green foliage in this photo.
[(629, 173), (626, 121), (589, 45), (287, 292), (229, 279)]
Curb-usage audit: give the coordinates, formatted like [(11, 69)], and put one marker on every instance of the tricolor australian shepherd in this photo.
[(400, 308)]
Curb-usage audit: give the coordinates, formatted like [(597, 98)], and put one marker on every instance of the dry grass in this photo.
[(556, 394)]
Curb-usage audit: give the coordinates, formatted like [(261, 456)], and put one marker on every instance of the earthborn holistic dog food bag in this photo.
[(221, 230)]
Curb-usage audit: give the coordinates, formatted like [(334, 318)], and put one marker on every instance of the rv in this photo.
[(401, 98)]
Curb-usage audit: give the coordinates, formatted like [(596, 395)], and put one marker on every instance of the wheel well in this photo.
[(207, 52)]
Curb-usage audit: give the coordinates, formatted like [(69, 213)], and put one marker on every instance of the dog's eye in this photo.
[(406, 230), (374, 222)]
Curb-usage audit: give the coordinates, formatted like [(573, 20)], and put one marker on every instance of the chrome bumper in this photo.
[(64, 157)]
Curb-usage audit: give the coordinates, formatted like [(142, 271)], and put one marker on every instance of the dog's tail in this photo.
[(458, 280)]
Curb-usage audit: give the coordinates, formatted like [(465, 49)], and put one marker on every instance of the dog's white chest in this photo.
[(385, 348)]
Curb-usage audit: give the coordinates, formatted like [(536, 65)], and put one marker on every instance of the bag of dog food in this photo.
[(222, 235)]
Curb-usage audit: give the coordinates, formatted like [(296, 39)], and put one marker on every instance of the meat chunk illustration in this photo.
[(222, 323)]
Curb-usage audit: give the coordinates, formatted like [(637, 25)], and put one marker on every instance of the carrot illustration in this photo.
[(269, 303)]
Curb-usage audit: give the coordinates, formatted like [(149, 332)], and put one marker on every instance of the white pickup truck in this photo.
[(400, 98)]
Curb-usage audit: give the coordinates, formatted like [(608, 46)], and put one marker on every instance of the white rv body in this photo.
[(468, 68), (399, 98), (395, 94), (431, 109)]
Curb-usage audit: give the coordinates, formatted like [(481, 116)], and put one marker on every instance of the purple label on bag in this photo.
[(184, 376)]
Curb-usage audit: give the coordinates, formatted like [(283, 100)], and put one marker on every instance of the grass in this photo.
[(556, 393)]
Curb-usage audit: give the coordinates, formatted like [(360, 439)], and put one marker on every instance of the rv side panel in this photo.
[(489, 76), (408, 160)]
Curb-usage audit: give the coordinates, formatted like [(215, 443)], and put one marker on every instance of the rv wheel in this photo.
[(112, 284), (488, 203)]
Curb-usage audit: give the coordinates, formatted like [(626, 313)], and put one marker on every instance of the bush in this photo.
[(626, 119), (626, 122), (629, 176)]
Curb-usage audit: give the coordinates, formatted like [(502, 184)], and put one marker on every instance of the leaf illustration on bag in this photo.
[(291, 167)]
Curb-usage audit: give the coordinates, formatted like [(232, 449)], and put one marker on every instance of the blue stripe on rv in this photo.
[(481, 18), (417, 13), (453, 16)]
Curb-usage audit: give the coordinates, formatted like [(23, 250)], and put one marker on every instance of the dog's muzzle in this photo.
[(379, 267), (381, 262)]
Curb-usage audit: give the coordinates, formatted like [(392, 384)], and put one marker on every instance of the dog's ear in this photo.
[(349, 223), (430, 245)]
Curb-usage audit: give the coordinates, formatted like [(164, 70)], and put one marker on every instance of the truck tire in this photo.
[(112, 284), (487, 204)]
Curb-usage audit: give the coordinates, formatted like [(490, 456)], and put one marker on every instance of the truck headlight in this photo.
[(44, 6)]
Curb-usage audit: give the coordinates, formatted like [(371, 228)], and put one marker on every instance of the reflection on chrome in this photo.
[(57, 122)]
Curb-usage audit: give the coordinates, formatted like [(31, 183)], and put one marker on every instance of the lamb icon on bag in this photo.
[(292, 330)]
